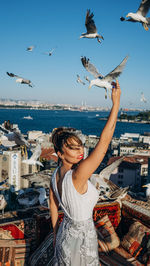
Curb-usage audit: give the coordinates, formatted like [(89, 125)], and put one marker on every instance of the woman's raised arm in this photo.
[(88, 166)]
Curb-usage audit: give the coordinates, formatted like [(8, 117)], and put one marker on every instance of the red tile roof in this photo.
[(132, 159), (48, 154)]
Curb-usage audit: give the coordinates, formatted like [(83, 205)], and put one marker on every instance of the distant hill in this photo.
[(142, 116)]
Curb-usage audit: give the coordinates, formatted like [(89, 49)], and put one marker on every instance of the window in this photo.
[(120, 170), (120, 176), (30, 169), (120, 182)]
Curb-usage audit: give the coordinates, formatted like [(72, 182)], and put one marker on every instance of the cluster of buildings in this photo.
[(35, 104), (134, 171)]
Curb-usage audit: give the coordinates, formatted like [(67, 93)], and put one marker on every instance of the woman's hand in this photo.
[(116, 92)]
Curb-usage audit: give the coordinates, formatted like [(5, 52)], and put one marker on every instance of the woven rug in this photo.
[(112, 209)]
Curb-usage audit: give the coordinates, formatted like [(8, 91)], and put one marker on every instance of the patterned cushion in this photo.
[(107, 237), (112, 209), (136, 239), (14, 252)]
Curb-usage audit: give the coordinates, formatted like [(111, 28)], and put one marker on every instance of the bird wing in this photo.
[(37, 152), (129, 19), (19, 139), (118, 193), (90, 67), (51, 51), (4, 130), (106, 172), (89, 22), (10, 136), (117, 71), (79, 80), (111, 185), (144, 7), (12, 75)]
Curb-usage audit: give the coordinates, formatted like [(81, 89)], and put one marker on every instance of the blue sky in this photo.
[(48, 24)]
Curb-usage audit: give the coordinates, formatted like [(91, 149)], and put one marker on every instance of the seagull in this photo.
[(50, 52), (79, 80), (147, 191), (87, 78), (33, 159), (91, 28), (20, 79), (3, 203), (12, 138), (140, 15), (107, 189), (103, 81), (143, 98), (30, 48)]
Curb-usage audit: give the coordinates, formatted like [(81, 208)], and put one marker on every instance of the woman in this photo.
[(76, 240)]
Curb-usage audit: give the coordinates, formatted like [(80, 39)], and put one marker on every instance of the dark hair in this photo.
[(61, 136)]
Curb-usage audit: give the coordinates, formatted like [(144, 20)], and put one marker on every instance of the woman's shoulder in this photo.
[(68, 174), (67, 177)]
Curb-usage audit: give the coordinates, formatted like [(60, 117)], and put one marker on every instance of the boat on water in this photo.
[(28, 117)]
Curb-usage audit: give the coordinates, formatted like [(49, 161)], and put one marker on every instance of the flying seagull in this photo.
[(12, 138), (79, 80), (87, 78), (103, 81), (20, 79), (91, 28), (50, 52), (143, 98), (140, 15), (107, 189), (34, 158), (30, 48)]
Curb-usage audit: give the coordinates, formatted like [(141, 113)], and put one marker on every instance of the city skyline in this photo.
[(59, 25)]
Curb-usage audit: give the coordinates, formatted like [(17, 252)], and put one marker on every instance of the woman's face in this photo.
[(73, 152)]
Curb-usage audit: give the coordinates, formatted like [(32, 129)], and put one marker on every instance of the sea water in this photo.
[(86, 121)]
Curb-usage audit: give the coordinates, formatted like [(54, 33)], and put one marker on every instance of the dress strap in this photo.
[(54, 185)]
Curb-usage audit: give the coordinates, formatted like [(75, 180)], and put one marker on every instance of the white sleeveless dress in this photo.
[(76, 241)]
